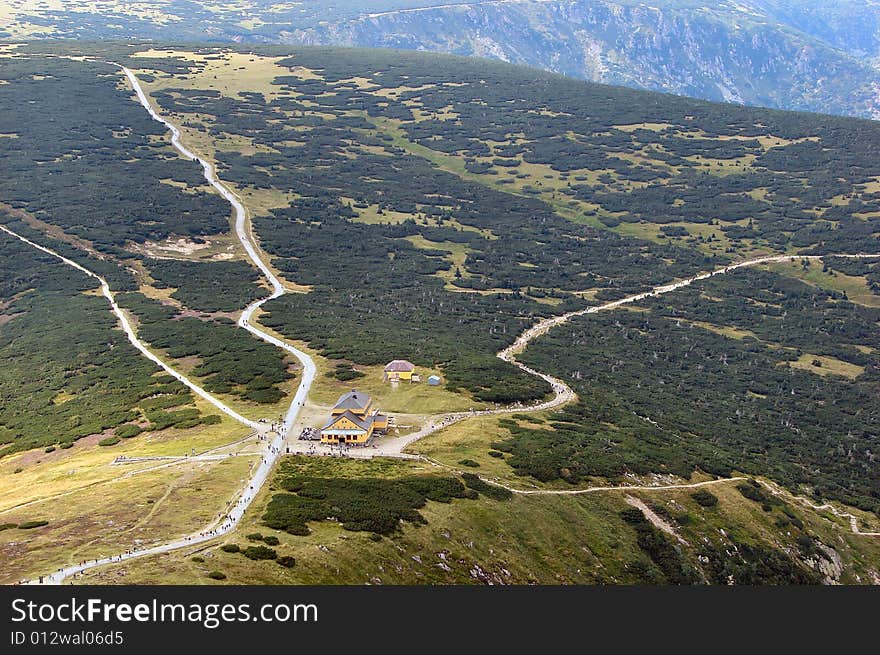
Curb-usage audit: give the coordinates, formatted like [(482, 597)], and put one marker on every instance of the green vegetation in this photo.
[(88, 380), (70, 383), (230, 360), (128, 431), (269, 540), (868, 268), (747, 564), (345, 372), (660, 549), (753, 491), (540, 197), (705, 498), (748, 47), (708, 162), (361, 504), (484, 488), (530, 539), (207, 286), (259, 552), (391, 292), (643, 377), (217, 575), (30, 525), (709, 165), (110, 193)]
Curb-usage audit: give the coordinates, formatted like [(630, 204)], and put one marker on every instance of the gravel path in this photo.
[(562, 393)]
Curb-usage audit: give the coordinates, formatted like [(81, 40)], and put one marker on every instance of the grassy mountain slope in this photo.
[(718, 537)]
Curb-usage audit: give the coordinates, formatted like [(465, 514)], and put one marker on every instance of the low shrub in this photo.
[(793, 518), (50, 449), (286, 561), (489, 490), (7, 526), (263, 396), (496, 453), (345, 372), (753, 491), (705, 498), (660, 549), (109, 441), (230, 548), (633, 516), (362, 504), (271, 540), (255, 536), (197, 559), (745, 564), (30, 525), (128, 431), (259, 552), (528, 418), (469, 462), (217, 575), (674, 231)]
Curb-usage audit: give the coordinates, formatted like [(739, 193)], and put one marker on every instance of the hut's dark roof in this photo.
[(399, 365), (353, 400)]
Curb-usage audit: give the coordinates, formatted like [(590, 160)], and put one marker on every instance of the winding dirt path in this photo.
[(562, 393), (776, 490), (132, 335), (634, 487)]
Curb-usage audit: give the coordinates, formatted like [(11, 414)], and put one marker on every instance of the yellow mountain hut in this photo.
[(399, 369), (353, 420)]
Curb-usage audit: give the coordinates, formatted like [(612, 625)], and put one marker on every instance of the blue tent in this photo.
[(434, 380)]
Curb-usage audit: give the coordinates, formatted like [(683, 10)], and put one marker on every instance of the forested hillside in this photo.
[(85, 174)]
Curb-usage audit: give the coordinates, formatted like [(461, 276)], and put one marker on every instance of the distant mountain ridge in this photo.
[(769, 53), (807, 55)]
